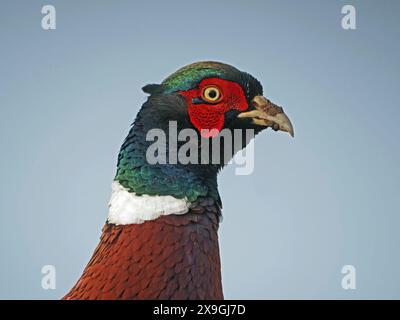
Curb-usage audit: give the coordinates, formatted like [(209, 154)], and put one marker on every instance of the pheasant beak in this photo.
[(268, 114)]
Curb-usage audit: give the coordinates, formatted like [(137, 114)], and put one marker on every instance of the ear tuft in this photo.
[(152, 88)]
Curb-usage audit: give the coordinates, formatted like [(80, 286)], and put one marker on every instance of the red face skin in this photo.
[(208, 118)]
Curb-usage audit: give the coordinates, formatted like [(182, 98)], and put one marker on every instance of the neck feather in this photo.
[(136, 175)]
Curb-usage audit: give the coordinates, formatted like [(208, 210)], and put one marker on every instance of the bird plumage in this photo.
[(173, 257), (160, 240)]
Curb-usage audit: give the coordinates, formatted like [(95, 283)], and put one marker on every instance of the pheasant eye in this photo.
[(211, 94)]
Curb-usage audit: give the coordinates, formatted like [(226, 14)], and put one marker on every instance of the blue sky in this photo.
[(315, 203)]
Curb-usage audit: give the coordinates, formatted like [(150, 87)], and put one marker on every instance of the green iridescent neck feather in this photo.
[(136, 174)]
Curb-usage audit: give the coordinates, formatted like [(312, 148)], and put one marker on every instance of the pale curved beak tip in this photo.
[(269, 114), (286, 125)]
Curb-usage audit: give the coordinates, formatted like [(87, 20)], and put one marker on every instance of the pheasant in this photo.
[(160, 240)]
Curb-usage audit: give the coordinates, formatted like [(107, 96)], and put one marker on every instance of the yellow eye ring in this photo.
[(212, 94)]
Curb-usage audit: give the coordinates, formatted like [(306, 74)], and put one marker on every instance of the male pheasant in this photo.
[(160, 240)]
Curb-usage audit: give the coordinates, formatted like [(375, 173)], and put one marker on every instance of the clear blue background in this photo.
[(327, 198)]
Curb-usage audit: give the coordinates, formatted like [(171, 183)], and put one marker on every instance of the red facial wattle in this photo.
[(209, 117)]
